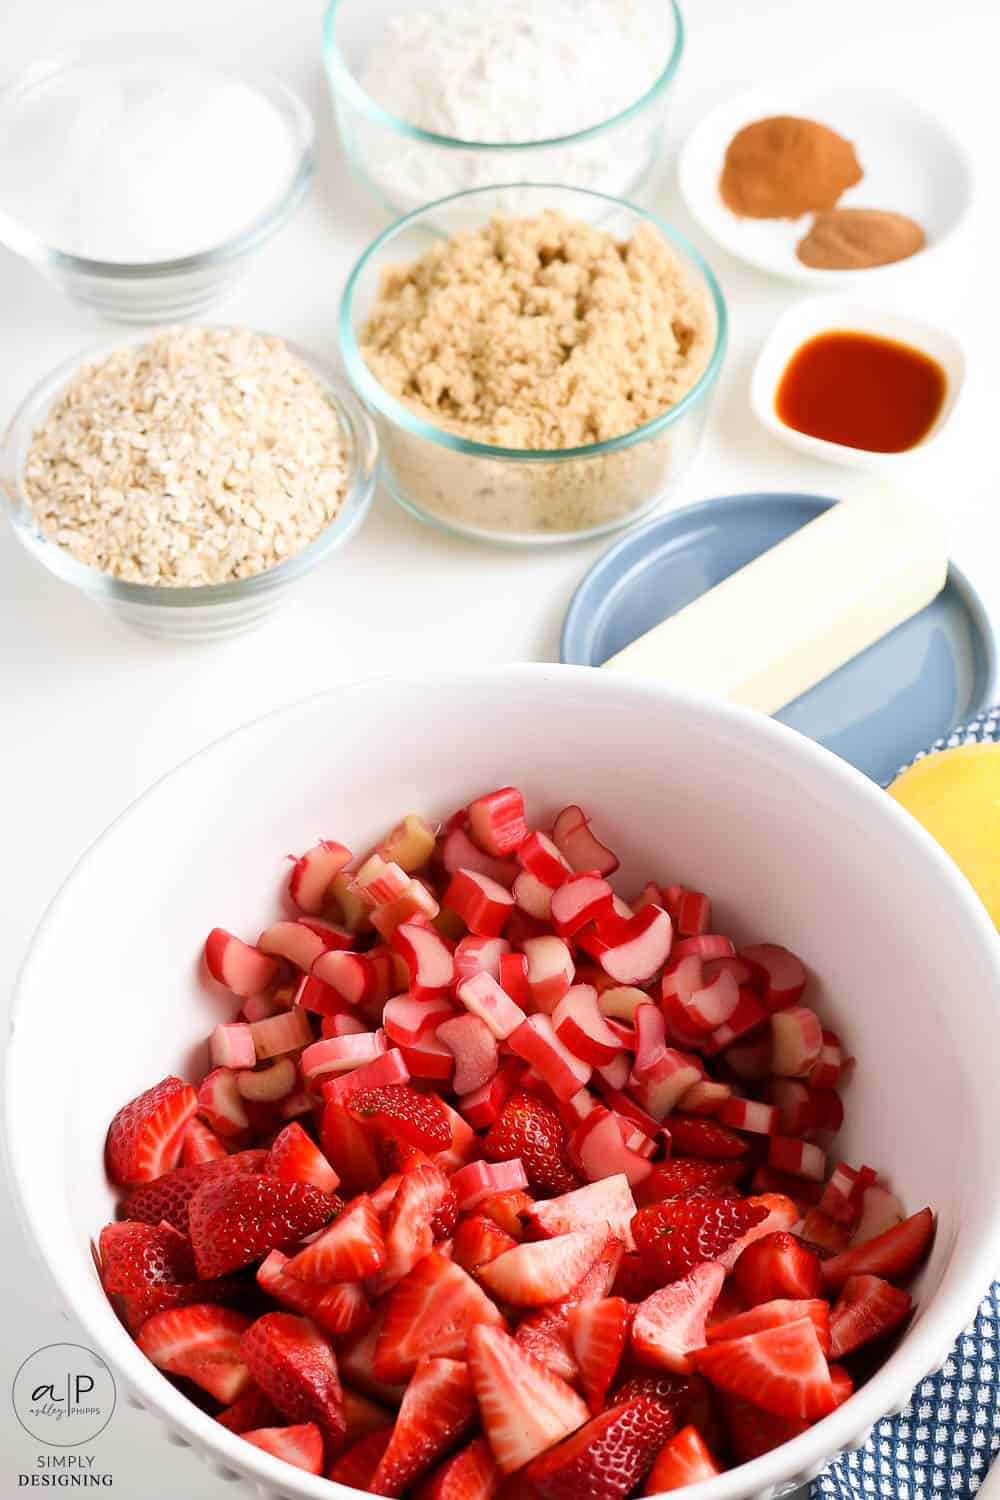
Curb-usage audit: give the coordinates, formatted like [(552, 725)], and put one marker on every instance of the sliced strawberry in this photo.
[(430, 1312), (202, 1342), (824, 1236), (470, 1474), (223, 1291), (399, 1112), (684, 1459), (350, 1150), (670, 1324), (608, 1457), (610, 1199), (772, 1315), (200, 1144), (729, 1305), (686, 1397), (409, 1224), (781, 1369), (778, 1265), (295, 1157), (509, 1210), (843, 1385), (363, 1416), (893, 1255), (445, 1221), (438, 1409), (356, 1468), (695, 1135), (235, 1220), (753, 1431), (146, 1136), (293, 1363), (523, 1407), (167, 1198), (545, 1333), (352, 1249), (356, 1362), (675, 1236), (867, 1308), (677, 1177), (529, 1129), (634, 1281), (341, 1308), (781, 1213), (478, 1240), (599, 1333), (301, 1445), (137, 1257), (252, 1409), (546, 1270)]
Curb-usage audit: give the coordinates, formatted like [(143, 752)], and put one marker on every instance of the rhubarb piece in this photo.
[(750, 1115), (428, 959), (483, 1106), (302, 941), (339, 1054), (232, 1046), (598, 1148), (268, 1084), (536, 1042), (542, 858), (383, 1071), (829, 1065), (482, 996), (349, 975), (479, 955), (288, 1031), (880, 1210), (640, 947), (481, 1180), (483, 904), (800, 1158), (579, 1024), (777, 975), (533, 896), (409, 844), (242, 969), (666, 1081), (312, 875), (796, 1041), (572, 835), (474, 1047), (497, 822)]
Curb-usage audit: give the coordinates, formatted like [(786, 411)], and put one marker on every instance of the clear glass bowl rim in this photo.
[(24, 242), (375, 394), (362, 471), (343, 79)]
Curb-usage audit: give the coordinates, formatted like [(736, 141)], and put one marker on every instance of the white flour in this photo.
[(152, 164), (512, 71)]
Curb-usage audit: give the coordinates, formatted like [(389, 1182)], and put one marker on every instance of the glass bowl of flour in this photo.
[(434, 99), (141, 175)]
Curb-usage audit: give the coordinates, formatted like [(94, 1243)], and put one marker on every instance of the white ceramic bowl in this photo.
[(794, 845), (913, 164), (816, 315)]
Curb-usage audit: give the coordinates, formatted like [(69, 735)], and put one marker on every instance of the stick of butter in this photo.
[(795, 614)]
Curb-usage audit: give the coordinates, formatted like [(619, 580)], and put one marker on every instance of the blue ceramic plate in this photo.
[(878, 711)]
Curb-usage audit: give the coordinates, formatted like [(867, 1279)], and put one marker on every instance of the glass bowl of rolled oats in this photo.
[(539, 360), (188, 478)]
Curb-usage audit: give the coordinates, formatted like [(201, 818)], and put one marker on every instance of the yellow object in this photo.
[(955, 794), (801, 610)]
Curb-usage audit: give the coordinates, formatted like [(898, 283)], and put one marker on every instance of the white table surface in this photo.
[(92, 715)]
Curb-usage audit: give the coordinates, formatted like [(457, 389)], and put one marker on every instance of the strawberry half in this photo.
[(400, 1113), (781, 1369), (201, 1342), (773, 1315), (438, 1409), (470, 1474), (350, 1150), (893, 1255), (544, 1270), (293, 1364), (356, 1362), (529, 1129), (430, 1312), (478, 1240), (683, 1460), (301, 1446), (356, 1468), (252, 1409), (670, 1324), (295, 1157), (352, 1249), (694, 1135), (146, 1136), (138, 1257), (340, 1308), (867, 1308), (609, 1201), (168, 1197), (235, 1220), (409, 1224), (686, 1397), (679, 1176), (777, 1265), (523, 1407), (753, 1431), (675, 1236), (607, 1457), (599, 1332)]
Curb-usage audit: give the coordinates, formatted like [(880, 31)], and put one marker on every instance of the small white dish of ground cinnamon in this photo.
[(839, 149)]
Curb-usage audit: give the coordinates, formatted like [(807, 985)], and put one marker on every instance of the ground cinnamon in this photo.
[(852, 239), (784, 166)]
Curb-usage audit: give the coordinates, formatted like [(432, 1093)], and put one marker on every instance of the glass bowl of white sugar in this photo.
[(434, 99), (141, 175)]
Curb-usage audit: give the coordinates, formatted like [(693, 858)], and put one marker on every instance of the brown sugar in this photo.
[(784, 166)]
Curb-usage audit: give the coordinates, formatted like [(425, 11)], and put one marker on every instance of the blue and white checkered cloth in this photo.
[(941, 1445)]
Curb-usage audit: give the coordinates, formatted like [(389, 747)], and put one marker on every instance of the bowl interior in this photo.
[(793, 845)]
